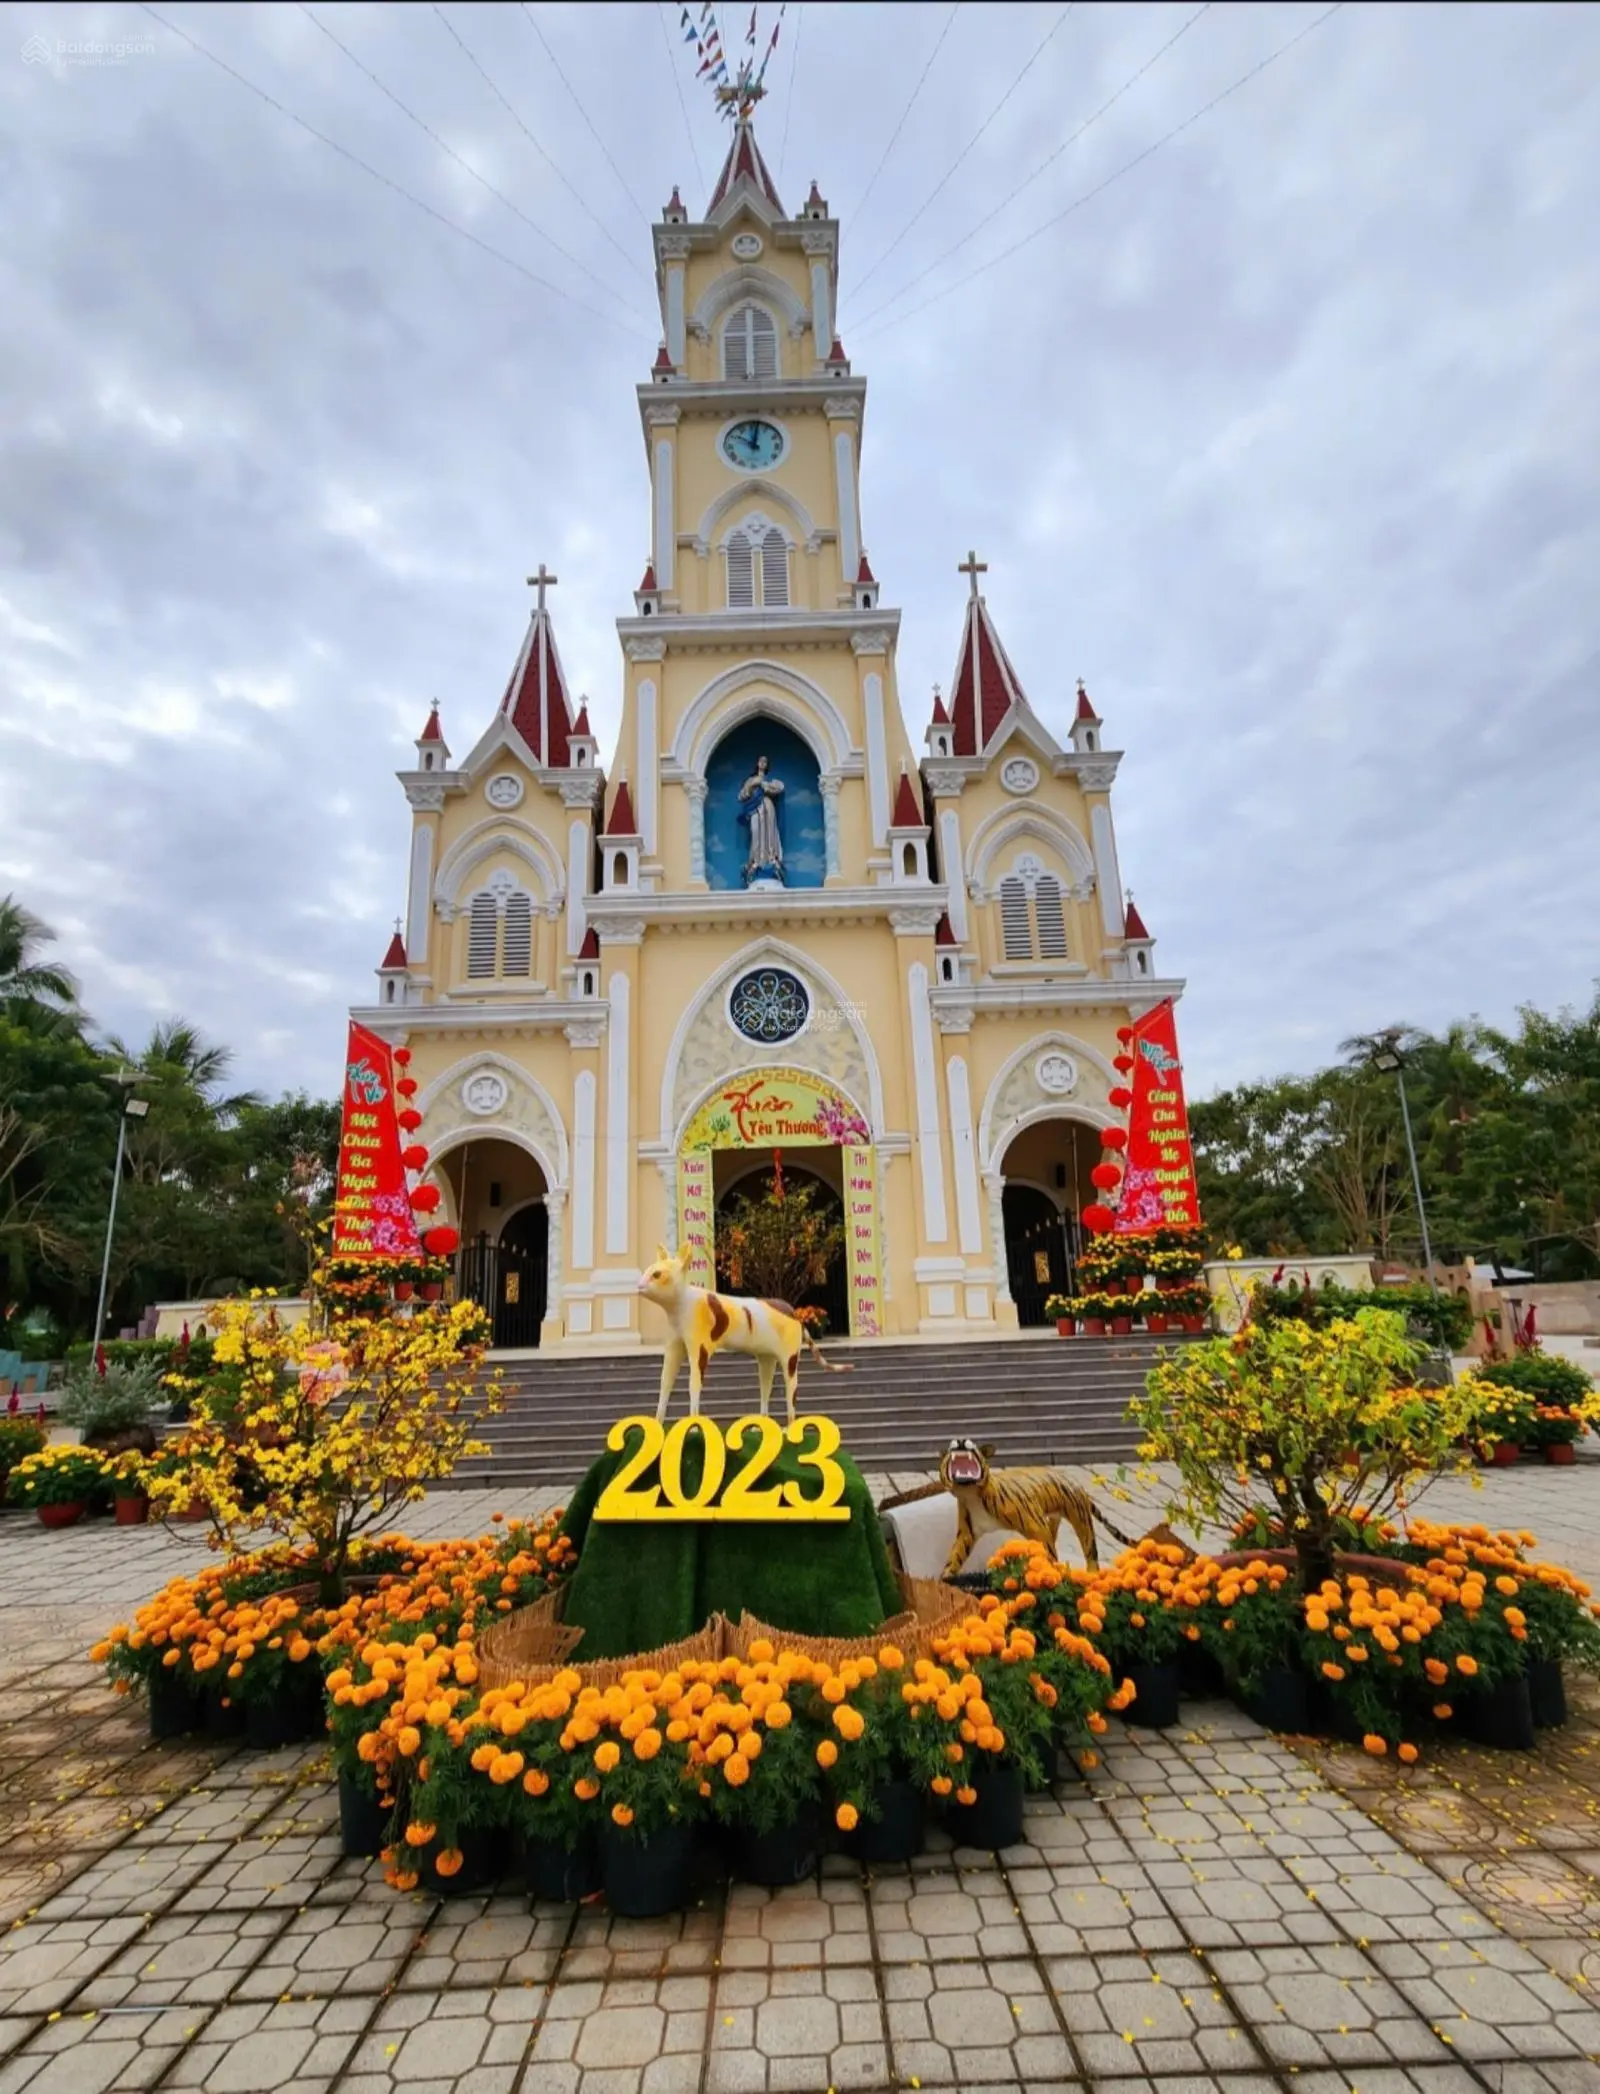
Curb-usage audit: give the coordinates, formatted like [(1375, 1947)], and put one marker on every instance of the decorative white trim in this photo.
[(619, 1134), (969, 1225), (419, 902), (577, 884), (451, 1079), (753, 487), (479, 843), (665, 545), (1105, 858), (649, 758), (993, 1142), (821, 315), (583, 1131), (950, 866), (675, 274), (555, 1201), (877, 760), (1019, 774), (844, 478), (994, 1190), (504, 791), (746, 284), (695, 789), (1005, 825), (828, 784), (935, 1226), (621, 917), (773, 688)]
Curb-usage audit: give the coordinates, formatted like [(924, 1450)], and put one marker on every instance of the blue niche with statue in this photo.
[(763, 814)]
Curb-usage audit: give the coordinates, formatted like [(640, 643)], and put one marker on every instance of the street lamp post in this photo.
[(1389, 1059), (132, 1109)]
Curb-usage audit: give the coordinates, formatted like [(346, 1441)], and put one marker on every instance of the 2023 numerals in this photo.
[(734, 1461)]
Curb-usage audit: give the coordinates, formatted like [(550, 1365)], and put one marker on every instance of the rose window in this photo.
[(769, 1005)]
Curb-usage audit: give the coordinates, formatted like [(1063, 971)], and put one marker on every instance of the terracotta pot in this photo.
[(1065, 1326), (61, 1515), (1094, 1327), (403, 1290), (1133, 1286), (1504, 1454), (431, 1290), (1154, 1321), (196, 1509), (132, 1510), (1561, 1452), (1121, 1326), (1192, 1323)]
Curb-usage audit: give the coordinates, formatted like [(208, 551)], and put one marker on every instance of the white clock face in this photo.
[(753, 446)]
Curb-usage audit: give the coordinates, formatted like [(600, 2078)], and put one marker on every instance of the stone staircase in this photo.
[(1037, 1399)]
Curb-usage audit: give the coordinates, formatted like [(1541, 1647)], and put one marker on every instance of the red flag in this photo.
[(750, 34), (372, 1215), (1159, 1188)]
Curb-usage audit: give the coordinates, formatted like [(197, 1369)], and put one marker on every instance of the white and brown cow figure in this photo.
[(703, 1323)]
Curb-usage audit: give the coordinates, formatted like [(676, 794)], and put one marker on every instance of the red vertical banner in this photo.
[(372, 1215), (1158, 1188)]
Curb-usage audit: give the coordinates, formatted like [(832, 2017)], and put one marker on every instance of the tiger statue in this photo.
[(1030, 1502)]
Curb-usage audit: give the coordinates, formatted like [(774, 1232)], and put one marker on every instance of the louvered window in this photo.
[(1047, 915), (1015, 930), (741, 573), (774, 569), (516, 951), (750, 345), (482, 926)]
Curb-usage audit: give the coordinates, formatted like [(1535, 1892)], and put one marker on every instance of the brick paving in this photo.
[(1211, 1909)]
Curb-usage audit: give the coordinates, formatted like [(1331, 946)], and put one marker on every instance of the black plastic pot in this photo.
[(175, 1706), (561, 1875), (1332, 1717), (1547, 1691), (363, 1820), (644, 1878), (995, 1819), (1279, 1700), (1200, 1673), (222, 1719), (1155, 1695), (896, 1832), (786, 1855), (482, 1858), (292, 1716), (1500, 1716)]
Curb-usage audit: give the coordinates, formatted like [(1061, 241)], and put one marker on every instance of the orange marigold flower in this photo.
[(827, 1752), (1408, 1753), (449, 1862), (845, 1817), (1467, 1664), (607, 1755), (1374, 1744), (1442, 1711), (621, 1815), (966, 1795)]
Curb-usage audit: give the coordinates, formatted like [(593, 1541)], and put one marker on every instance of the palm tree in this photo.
[(178, 1053), (24, 977)]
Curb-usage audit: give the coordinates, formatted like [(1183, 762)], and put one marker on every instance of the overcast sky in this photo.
[(1287, 441)]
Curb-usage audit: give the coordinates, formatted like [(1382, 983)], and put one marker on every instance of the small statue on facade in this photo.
[(758, 810)]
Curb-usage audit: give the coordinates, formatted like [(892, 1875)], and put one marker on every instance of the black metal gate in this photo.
[(510, 1278), (1037, 1263)]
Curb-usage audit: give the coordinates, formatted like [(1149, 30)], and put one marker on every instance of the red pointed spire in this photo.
[(1086, 709), (944, 931), (676, 204), (581, 724), (940, 717), (432, 731), (864, 572), (536, 697), (622, 822), (648, 586), (908, 812), (663, 362), (396, 955), (744, 163), (816, 201), (590, 948), (986, 685), (1133, 923)]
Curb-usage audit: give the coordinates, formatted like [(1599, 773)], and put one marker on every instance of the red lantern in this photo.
[(440, 1242), (1121, 1098), (410, 1119), (425, 1198), (407, 1086), (1097, 1218), (1110, 1138), (1124, 1062), (414, 1156), (1106, 1176), (402, 1056), (1124, 1034)]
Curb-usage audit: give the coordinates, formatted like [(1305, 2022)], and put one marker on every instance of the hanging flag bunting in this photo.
[(372, 1209), (1158, 1190)]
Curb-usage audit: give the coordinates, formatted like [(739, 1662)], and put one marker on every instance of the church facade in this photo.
[(773, 923)]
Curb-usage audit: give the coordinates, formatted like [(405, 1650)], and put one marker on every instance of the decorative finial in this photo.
[(972, 567), (541, 581)]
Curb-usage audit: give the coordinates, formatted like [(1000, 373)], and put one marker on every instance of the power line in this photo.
[(355, 160), (1028, 180), (788, 107), (581, 201), (1127, 167), (445, 147), (578, 105), (967, 148), (672, 68), (910, 105)]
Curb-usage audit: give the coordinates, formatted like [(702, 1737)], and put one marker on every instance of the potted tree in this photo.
[(110, 1402)]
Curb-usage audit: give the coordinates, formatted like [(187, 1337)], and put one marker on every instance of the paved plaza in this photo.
[(1210, 1909)]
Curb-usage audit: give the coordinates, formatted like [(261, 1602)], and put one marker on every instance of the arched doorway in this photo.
[(800, 824), (832, 1293), (497, 1191), (1046, 1186)]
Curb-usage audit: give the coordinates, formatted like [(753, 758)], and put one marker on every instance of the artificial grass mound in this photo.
[(639, 1584)]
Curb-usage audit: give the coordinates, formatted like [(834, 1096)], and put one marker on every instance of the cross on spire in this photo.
[(541, 581), (972, 567)]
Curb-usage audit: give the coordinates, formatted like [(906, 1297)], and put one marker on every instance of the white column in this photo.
[(675, 340), (955, 875), (844, 474), (969, 1226), (877, 762), (583, 1116), (695, 788), (829, 784), (1106, 873), (649, 755), (935, 1226), (577, 886), (555, 1205), (821, 315), (618, 1128), (995, 1186), (664, 532), (419, 902)]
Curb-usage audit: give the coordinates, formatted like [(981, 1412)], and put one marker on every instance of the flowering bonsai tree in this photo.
[(778, 1243), (1326, 1421), (325, 1432)]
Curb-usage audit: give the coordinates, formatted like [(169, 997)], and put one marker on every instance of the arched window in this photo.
[(1048, 917), (482, 927), (741, 573), (1016, 931), (1032, 921), (516, 941), (758, 567), (774, 569), (500, 932), (750, 344)]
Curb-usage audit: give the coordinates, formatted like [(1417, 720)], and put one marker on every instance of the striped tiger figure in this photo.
[(1029, 1502)]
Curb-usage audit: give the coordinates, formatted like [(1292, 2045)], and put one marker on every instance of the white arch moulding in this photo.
[(762, 952), (747, 691), (555, 1167), (993, 1141), (759, 491), (480, 843), (748, 284), (1007, 824)]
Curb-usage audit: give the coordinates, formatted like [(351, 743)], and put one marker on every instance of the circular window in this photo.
[(769, 1005)]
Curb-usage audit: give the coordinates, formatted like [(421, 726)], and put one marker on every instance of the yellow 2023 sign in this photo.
[(723, 1493)]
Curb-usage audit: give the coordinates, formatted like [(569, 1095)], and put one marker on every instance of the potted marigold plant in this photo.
[(1505, 1425), (984, 1727), (130, 1504), (1063, 1312), (19, 1437), (759, 1764), (1091, 1311), (60, 1483), (1556, 1432)]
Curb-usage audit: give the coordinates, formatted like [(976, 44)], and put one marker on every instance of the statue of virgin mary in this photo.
[(759, 798)]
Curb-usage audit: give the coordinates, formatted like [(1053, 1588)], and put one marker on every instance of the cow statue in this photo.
[(703, 1323)]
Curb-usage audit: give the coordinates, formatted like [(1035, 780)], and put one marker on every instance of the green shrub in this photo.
[(1544, 1376), (1444, 1320), (19, 1437), (116, 1401)]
